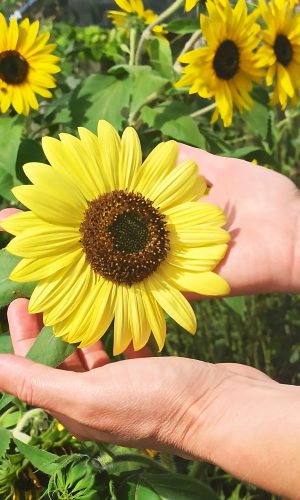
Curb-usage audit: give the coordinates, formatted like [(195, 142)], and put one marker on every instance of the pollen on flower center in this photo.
[(226, 60), (283, 50), (124, 237), (13, 67)]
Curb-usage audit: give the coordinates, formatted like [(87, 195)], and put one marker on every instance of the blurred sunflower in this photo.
[(225, 68), (109, 237), (280, 53), (134, 11), (26, 65), (190, 4)]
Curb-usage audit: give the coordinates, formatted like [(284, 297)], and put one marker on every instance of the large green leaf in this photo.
[(173, 121), (144, 83), (101, 97), (41, 459), (183, 26), (10, 137), (164, 487), (161, 58), (6, 183), (258, 119), (10, 290), (5, 437), (6, 346)]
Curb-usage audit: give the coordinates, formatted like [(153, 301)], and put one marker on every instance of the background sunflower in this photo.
[(26, 65), (225, 68), (280, 53)]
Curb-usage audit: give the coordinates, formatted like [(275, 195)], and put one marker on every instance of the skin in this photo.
[(232, 415)]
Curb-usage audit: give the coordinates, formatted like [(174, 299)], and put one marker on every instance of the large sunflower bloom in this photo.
[(281, 50), (26, 65), (108, 236), (225, 68), (135, 9)]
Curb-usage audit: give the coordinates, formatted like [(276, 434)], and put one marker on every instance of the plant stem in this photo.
[(132, 46), (27, 416), (147, 32), (188, 46), (203, 111)]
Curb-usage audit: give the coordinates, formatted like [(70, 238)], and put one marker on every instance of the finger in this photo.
[(24, 327), (6, 213), (39, 385), (130, 353), (93, 356)]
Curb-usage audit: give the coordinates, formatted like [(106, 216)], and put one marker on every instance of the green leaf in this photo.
[(178, 487), (146, 486), (145, 82), (29, 151), (6, 183), (50, 350), (6, 346), (10, 290), (172, 121), (100, 97), (183, 26), (10, 137), (5, 437), (41, 459), (161, 58), (258, 120), (237, 304)]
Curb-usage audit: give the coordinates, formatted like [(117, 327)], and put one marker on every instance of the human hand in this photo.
[(263, 212), (229, 414)]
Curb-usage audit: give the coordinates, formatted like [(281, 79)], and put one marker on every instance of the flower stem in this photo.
[(132, 46), (188, 46), (147, 32), (203, 111)]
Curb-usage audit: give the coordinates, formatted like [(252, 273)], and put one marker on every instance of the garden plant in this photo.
[(105, 239)]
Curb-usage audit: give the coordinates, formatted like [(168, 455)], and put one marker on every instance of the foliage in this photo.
[(99, 80)]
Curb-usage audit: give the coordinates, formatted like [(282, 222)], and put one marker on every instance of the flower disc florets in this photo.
[(124, 237), (13, 67)]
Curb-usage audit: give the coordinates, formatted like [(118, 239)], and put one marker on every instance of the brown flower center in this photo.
[(283, 50), (13, 67), (124, 237), (226, 60)]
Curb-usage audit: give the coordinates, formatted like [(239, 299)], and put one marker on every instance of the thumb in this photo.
[(36, 384)]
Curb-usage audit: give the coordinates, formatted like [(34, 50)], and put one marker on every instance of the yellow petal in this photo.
[(130, 158), (182, 185), (32, 270), (208, 283), (154, 315), (158, 164), (194, 214), (139, 325), (122, 330), (19, 222), (44, 240), (173, 302), (109, 152)]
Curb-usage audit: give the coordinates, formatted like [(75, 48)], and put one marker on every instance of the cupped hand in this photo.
[(263, 218), (230, 414)]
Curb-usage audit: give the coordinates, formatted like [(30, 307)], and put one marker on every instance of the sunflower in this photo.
[(109, 237), (134, 11), (190, 4), (225, 68), (26, 65), (281, 50)]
